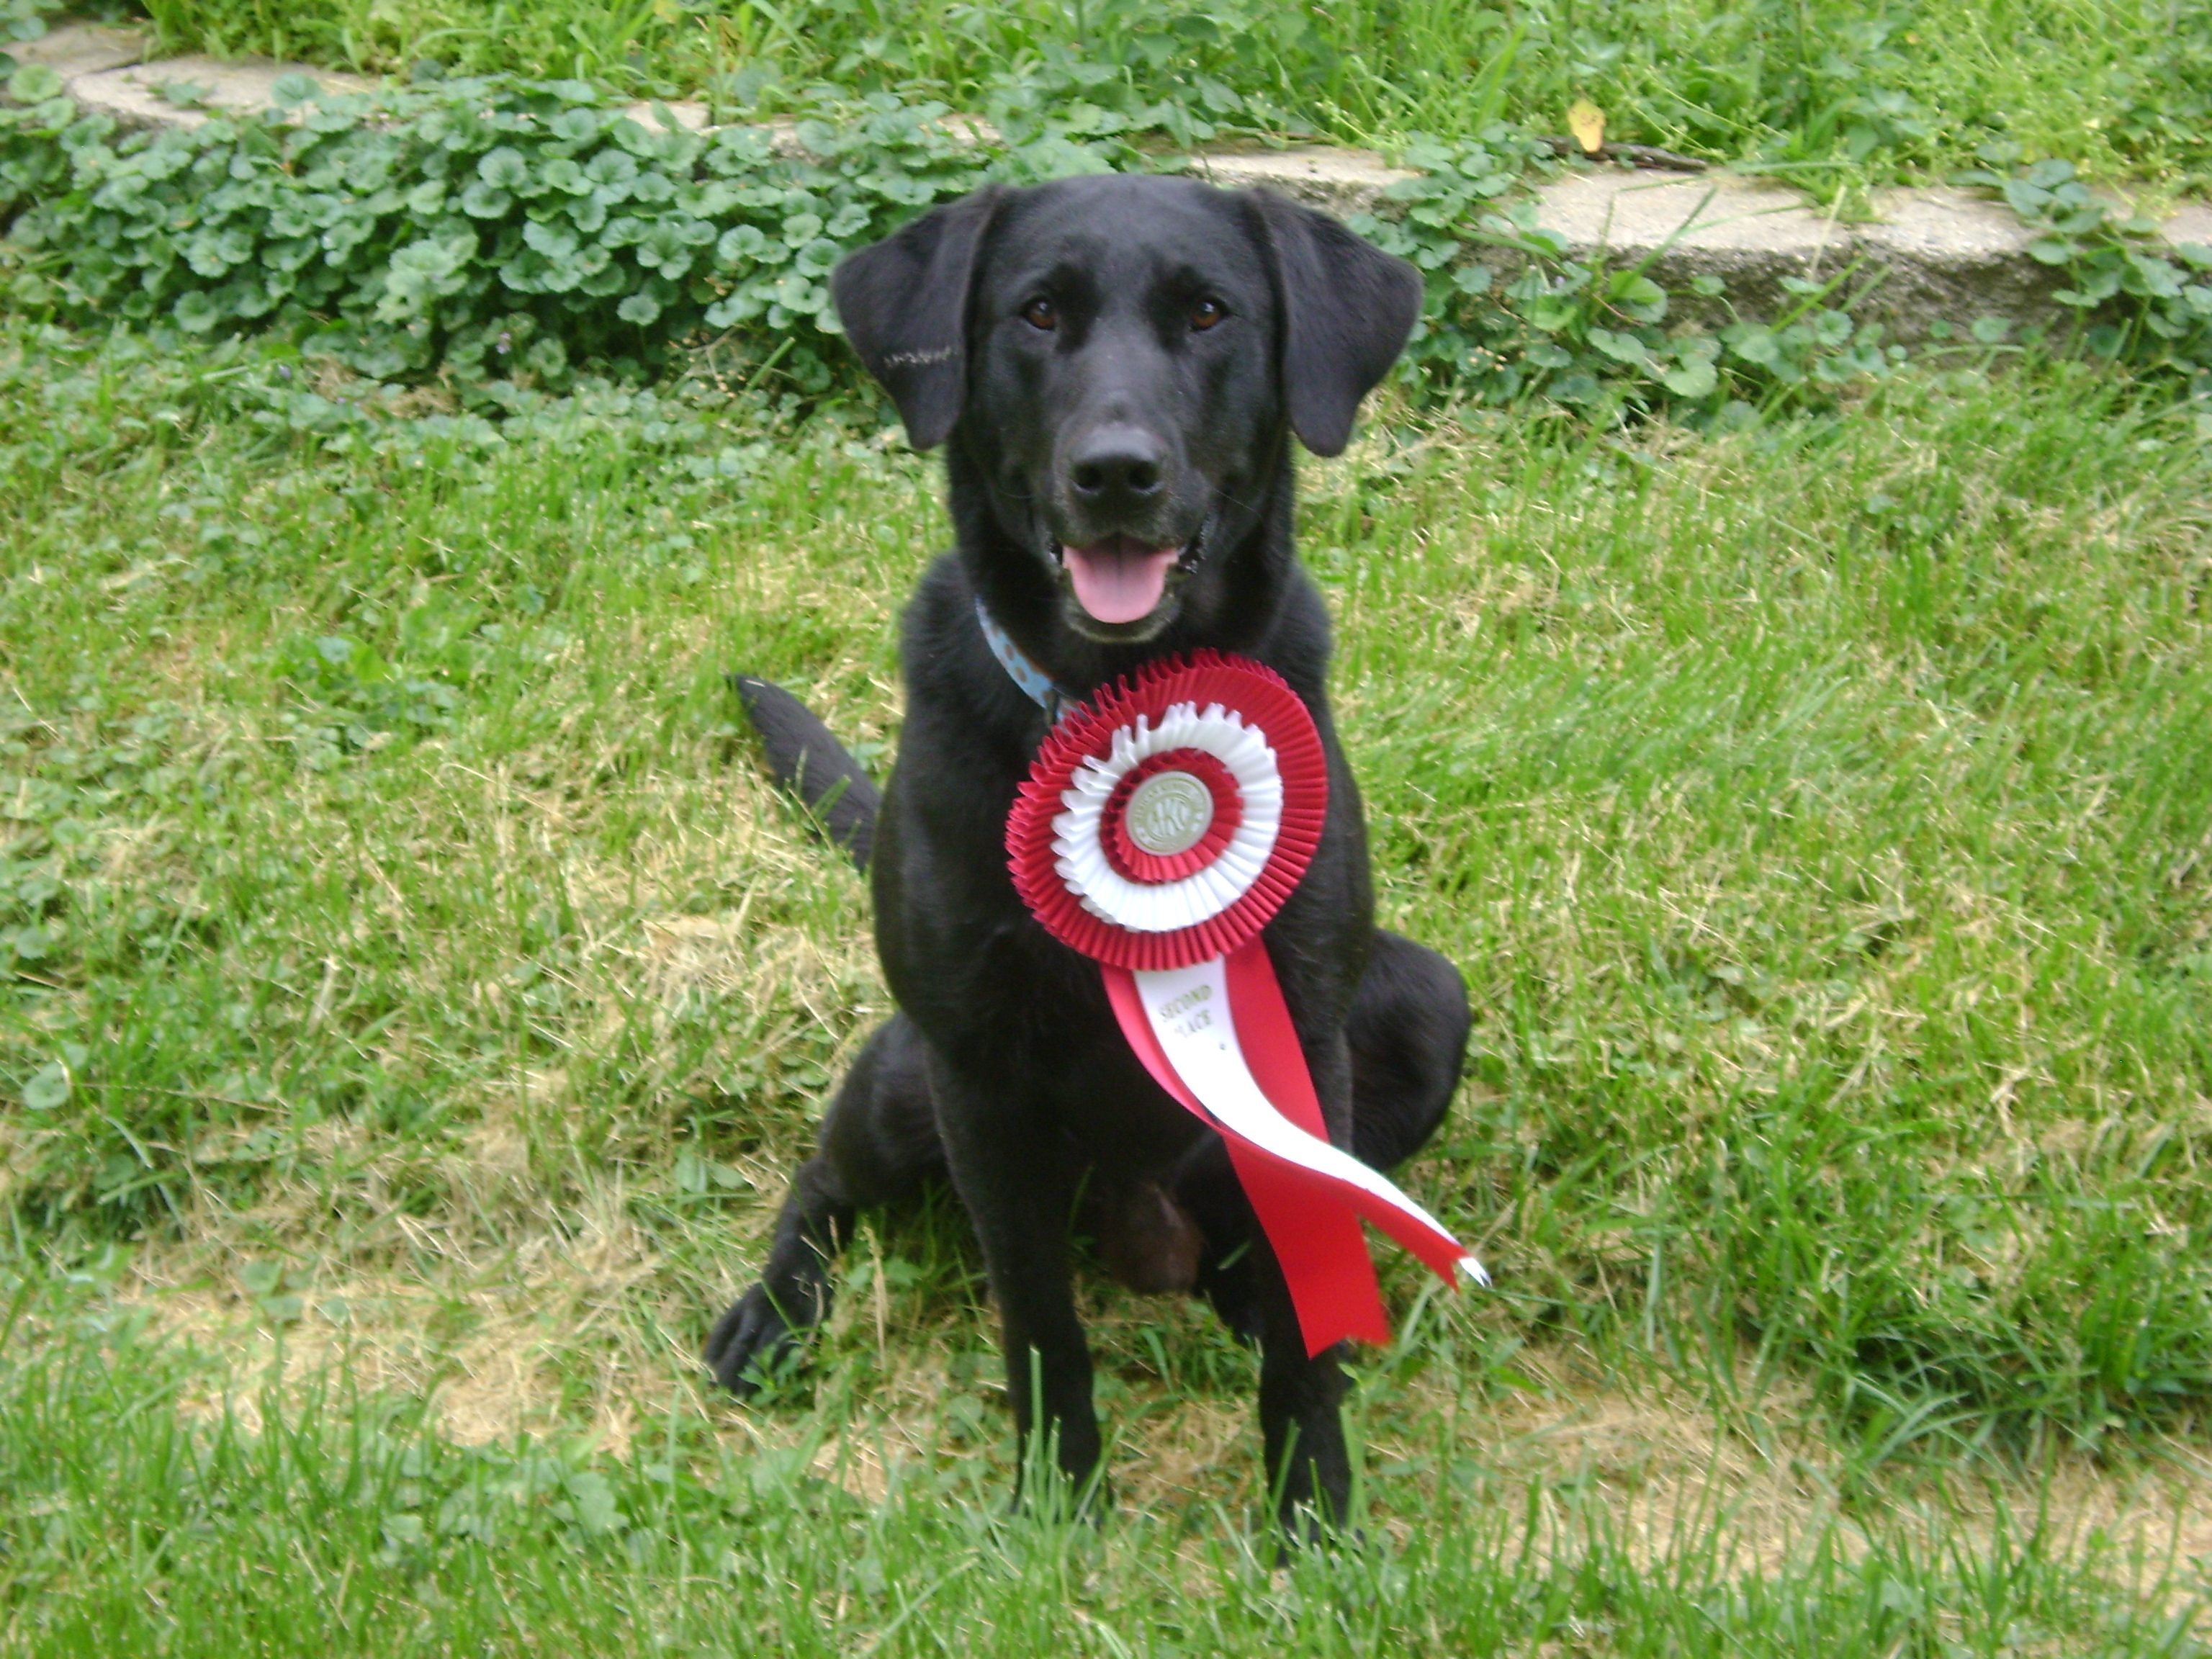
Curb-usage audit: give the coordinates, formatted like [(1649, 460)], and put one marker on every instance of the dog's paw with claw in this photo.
[(753, 1346)]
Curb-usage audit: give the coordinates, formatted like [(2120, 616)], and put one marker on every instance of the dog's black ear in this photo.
[(1348, 306), (904, 305)]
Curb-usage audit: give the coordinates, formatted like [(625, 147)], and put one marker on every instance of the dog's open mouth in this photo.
[(1119, 579)]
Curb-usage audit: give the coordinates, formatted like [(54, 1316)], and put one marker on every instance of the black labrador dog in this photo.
[(1116, 365)]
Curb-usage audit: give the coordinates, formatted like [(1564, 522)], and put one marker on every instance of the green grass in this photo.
[(2123, 86), (416, 1002), (329, 1525)]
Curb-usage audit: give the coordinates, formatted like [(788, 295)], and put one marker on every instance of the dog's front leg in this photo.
[(1016, 1197), (1302, 1424), (1302, 1396)]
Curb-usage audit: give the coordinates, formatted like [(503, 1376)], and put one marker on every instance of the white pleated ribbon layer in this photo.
[(1164, 907)]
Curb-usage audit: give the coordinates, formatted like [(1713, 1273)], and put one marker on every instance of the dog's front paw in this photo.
[(752, 1344), (1301, 1528)]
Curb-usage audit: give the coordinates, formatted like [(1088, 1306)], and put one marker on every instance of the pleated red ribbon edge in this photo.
[(1262, 698), (1311, 1219)]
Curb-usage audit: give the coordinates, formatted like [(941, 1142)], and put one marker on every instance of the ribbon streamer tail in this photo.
[(1319, 1246), (1269, 1042), (1218, 1037)]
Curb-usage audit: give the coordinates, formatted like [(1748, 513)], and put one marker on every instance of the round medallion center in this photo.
[(1169, 813)]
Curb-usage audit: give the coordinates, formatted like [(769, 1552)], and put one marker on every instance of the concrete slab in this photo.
[(134, 96), (1748, 233), (1339, 181), (695, 118), (783, 132), (1944, 253), (1928, 254), (1718, 213), (74, 49), (2192, 224), (1945, 226)]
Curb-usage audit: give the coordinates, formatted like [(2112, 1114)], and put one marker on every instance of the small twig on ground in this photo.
[(1639, 155)]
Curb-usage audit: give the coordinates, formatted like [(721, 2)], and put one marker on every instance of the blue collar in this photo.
[(1036, 684)]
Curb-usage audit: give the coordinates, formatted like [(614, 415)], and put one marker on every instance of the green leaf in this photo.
[(555, 241), (2100, 284), (546, 358), (639, 308), (1990, 330), (610, 169), (49, 1087), (196, 313), (634, 138), (2155, 276), (1757, 346), (290, 255), (503, 168), (34, 83), (663, 247), (739, 308), (1692, 379), (1621, 348), (292, 90), (596, 1512), (561, 173), (482, 201), (795, 294)]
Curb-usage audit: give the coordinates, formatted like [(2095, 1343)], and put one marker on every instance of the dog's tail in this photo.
[(807, 760)]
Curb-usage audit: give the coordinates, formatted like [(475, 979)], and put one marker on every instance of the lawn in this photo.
[(1832, 88), (416, 1001)]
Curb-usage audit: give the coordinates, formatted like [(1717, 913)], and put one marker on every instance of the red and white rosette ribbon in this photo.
[(1162, 827)]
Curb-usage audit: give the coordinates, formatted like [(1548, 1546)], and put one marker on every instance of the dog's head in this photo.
[(1118, 358)]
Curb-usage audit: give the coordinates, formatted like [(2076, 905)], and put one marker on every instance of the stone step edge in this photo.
[(1929, 255)]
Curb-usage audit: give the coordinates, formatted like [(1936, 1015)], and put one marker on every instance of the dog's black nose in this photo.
[(1116, 463)]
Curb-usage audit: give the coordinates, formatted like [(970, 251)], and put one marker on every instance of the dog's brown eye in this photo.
[(1205, 313), (1041, 312)]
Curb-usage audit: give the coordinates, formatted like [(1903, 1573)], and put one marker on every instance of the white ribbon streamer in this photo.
[(1189, 1009)]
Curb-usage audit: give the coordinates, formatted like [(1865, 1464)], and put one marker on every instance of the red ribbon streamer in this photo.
[(1308, 1218)]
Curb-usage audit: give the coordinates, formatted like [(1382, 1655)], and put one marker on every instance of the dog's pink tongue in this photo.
[(1118, 580)]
